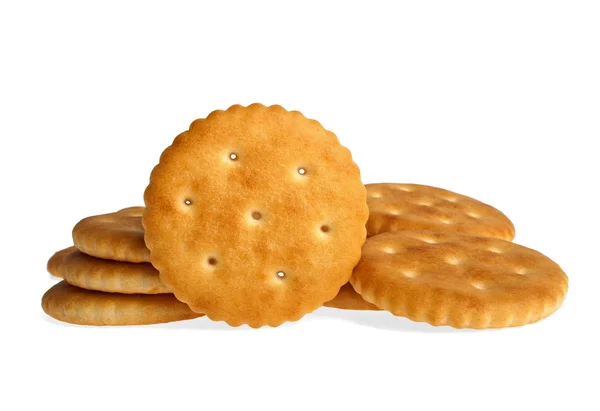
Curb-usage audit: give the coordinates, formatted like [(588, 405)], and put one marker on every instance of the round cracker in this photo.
[(349, 299), (75, 305), (56, 259), (457, 279), (110, 276), (397, 207), (116, 236), (255, 215)]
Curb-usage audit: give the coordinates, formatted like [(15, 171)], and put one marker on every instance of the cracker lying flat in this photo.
[(71, 304), (115, 236), (255, 215), (110, 276), (457, 279), (349, 299), (396, 207), (56, 259)]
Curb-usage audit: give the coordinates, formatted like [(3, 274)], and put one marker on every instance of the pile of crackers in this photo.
[(257, 215)]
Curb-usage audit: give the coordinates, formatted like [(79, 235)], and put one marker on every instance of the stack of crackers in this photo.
[(257, 215)]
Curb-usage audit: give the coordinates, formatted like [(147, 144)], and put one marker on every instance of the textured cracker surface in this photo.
[(349, 299), (75, 305), (458, 279), (56, 259), (93, 273), (396, 207), (116, 236), (215, 255)]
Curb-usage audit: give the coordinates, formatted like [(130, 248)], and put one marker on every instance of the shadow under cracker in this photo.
[(381, 320), (384, 320)]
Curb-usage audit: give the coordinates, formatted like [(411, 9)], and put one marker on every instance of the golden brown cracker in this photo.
[(116, 236), (255, 215), (135, 211), (396, 207), (97, 274), (349, 299), (75, 305), (457, 279), (56, 259)]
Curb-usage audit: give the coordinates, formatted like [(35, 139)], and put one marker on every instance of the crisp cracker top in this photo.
[(395, 207), (255, 215), (458, 279), (114, 236)]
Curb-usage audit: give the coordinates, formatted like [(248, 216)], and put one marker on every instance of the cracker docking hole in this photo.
[(479, 286), (453, 260), (409, 273), (429, 240), (521, 270)]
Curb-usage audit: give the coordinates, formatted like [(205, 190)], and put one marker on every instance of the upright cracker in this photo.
[(116, 236), (255, 215), (71, 304), (56, 259), (349, 299), (97, 274), (396, 207), (458, 279)]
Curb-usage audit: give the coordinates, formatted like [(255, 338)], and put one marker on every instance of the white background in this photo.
[(496, 100)]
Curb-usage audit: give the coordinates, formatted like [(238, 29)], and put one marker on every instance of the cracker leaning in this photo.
[(396, 207), (111, 276), (56, 259), (116, 236), (255, 215), (349, 299), (71, 304), (458, 279)]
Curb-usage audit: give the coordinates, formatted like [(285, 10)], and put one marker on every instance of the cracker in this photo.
[(349, 299), (116, 236), (56, 259), (396, 207), (71, 304), (255, 215), (457, 279), (135, 211), (111, 276)]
